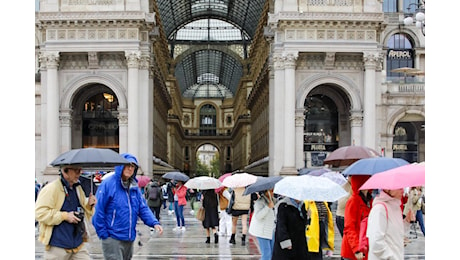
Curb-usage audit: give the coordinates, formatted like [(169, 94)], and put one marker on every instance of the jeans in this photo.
[(179, 211), (419, 219), (266, 248), (340, 221)]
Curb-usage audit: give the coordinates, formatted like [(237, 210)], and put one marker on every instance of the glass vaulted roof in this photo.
[(209, 39)]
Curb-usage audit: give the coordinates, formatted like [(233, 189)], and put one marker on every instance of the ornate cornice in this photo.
[(99, 18)]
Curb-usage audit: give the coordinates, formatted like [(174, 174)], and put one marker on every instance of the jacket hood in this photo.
[(357, 181), (130, 158)]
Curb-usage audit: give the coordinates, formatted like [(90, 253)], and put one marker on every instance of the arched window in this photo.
[(400, 54), (208, 120)]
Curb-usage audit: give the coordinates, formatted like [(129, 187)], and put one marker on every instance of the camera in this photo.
[(80, 226), (80, 213)]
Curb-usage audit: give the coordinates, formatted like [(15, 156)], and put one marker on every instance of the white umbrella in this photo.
[(335, 177), (203, 183), (306, 187), (239, 180)]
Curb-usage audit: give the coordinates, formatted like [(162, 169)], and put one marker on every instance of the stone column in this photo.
[(52, 140), (65, 119), (372, 60), (132, 58), (289, 114), (145, 104), (356, 123), (299, 124), (123, 130), (276, 114)]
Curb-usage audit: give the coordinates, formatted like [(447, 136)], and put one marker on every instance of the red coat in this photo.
[(355, 210), (181, 192)]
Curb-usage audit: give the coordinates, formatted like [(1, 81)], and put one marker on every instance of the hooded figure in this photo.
[(120, 203), (358, 207)]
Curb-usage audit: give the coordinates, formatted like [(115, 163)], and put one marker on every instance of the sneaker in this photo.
[(170, 212), (176, 228), (182, 228), (192, 212), (152, 229)]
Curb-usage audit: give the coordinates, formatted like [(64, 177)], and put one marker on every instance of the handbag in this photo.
[(200, 214)]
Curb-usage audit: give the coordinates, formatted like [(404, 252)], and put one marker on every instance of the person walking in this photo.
[(170, 185), (154, 195), (211, 216), (385, 228), (357, 208), (225, 219), (61, 209), (414, 206), (262, 225), (164, 191), (340, 211), (240, 207), (179, 191), (320, 229), (120, 204), (291, 221)]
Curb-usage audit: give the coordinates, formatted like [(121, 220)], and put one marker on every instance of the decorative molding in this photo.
[(50, 59), (356, 118), (133, 58)]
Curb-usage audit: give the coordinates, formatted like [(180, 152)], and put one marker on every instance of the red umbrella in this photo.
[(221, 179), (346, 155), (142, 180), (409, 175)]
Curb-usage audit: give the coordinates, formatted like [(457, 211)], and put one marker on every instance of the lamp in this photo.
[(419, 17), (108, 97)]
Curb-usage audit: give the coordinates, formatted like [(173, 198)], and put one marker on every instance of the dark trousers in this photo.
[(340, 222)]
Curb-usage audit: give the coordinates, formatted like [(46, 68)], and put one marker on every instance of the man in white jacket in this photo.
[(385, 228)]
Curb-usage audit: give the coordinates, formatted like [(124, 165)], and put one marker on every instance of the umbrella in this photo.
[(221, 179), (261, 184), (346, 155), (335, 177), (107, 175), (316, 172), (239, 180), (90, 157), (177, 176), (142, 180), (203, 183), (371, 166), (306, 187), (409, 175)]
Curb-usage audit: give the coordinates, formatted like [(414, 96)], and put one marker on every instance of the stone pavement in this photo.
[(190, 244)]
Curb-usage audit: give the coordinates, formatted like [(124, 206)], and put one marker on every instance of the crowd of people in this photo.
[(285, 228)]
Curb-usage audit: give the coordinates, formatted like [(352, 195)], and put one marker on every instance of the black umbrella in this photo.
[(90, 157), (261, 184), (177, 176)]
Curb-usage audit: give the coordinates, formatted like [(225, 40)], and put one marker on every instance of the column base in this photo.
[(288, 171)]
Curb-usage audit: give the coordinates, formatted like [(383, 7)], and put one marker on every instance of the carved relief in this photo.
[(132, 58)]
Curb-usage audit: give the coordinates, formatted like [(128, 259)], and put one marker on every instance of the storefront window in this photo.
[(405, 142)]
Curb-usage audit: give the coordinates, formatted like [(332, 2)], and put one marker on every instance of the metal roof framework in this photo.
[(209, 72)]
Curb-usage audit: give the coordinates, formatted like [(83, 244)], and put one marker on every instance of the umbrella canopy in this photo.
[(221, 179), (317, 172), (336, 177), (90, 157), (239, 180), (371, 166), (346, 155), (306, 187), (203, 183), (261, 184), (177, 176), (142, 180), (410, 175)]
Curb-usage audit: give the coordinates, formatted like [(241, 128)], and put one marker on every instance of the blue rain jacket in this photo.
[(118, 207)]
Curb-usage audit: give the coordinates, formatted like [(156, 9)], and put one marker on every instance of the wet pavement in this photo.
[(190, 244)]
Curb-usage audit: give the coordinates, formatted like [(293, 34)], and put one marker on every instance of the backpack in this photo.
[(154, 193), (363, 239)]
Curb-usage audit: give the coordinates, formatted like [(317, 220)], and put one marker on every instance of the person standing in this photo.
[(211, 216), (61, 209), (170, 185), (320, 229), (180, 191), (357, 208), (340, 211), (154, 195), (291, 221), (120, 204), (385, 228), (262, 225), (240, 207)]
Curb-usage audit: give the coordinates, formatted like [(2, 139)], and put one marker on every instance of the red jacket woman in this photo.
[(358, 207)]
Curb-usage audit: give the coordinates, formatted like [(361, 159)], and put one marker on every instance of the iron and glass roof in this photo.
[(209, 28)]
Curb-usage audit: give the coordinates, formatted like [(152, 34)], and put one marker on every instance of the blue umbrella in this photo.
[(261, 184), (371, 166)]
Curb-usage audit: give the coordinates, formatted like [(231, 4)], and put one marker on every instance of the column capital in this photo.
[(356, 118), (133, 58), (49, 59), (65, 118), (122, 117), (299, 118), (373, 59), (290, 59), (144, 62)]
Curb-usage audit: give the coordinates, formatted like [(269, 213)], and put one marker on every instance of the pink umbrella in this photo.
[(221, 179), (142, 180), (409, 175), (239, 180)]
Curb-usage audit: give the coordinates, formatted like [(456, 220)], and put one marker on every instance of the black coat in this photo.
[(290, 225), (210, 203)]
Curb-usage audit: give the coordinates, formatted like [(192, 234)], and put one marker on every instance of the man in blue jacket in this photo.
[(120, 203)]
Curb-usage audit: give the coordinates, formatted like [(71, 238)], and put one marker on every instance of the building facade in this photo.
[(311, 76)]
